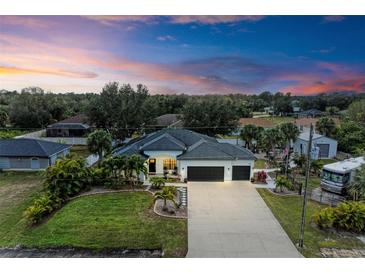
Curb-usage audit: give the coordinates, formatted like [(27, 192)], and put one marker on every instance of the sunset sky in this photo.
[(184, 54)]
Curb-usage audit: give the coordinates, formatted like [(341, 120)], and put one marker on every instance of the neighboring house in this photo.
[(76, 126), (269, 110), (191, 156), (322, 146), (167, 121), (30, 154), (310, 113), (303, 124)]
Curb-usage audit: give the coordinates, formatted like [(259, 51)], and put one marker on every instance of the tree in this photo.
[(290, 133), (134, 166), (3, 118), (211, 115), (270, 139), (248, 134), (316, 167), (67, 177), (332, 110), (326, 126), (356, 187), (351, 137), (119, 109), (356, 111), (99, 142), (165, 195)]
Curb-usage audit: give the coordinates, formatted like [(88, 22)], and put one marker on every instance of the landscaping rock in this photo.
[(19, 252), (342, 253)]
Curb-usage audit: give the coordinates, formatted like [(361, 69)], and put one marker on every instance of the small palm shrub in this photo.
[(349, 216), (282, 182), (325, 218), (45, 204), (157, 182), (170, 189)]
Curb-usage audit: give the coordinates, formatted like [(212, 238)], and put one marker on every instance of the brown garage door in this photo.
[(241, 173), (206, 173)]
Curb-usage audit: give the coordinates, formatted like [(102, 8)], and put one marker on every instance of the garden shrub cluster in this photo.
[(348, 216), (70, 176), (282, 182)]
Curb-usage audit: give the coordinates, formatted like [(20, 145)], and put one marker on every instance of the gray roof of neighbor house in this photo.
[(193, 145), (168, 120), (311, 112), (29, 148), (305, 136), (75, 122)]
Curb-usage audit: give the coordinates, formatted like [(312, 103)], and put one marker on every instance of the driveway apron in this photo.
[(230, 219)]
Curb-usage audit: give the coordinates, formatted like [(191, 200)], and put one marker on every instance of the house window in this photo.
[(169, 164)]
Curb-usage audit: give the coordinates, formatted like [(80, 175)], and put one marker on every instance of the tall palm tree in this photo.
[(248, 134), (99, 142), (270, 139), (290, 133)]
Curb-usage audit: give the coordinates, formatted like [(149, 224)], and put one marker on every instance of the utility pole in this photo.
[(302, 225)]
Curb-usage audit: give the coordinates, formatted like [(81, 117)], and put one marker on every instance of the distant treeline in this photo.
[(123, 107)]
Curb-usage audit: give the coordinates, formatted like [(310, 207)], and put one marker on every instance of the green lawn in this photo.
[(116, 220), (259, 164), (81, 151), (287, 210), (17, 191)]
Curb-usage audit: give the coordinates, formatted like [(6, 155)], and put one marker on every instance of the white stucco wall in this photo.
[(160, 156), (183, 164), (322, 140)]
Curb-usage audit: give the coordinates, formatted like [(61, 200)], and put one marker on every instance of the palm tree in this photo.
[(290, 133), (326, 126), (356, 187), (134, 166), (99, 142), (165, 195), (248, 134), (115, 166), (316, 167), (270, 139)]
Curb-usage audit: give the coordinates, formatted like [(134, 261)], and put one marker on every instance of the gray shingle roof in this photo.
[(29, 148), (68, 126), (193, 145)]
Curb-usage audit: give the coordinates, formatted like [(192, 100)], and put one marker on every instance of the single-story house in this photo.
[(76, 126), (322, 146), (166, 120), (30, 154), (310, 113), (191, 156)]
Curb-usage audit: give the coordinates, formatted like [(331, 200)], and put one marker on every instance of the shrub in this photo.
[(261, 176), (325, 217), (45, 204), (282, 182), (170, 189), (350, 216), (157, 182), (99, 176), (115, 183)]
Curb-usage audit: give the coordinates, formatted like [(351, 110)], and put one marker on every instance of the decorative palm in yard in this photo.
[(99, 142), (134, 166), (166, 195), (356, 187), (290, 133), (326, 126)]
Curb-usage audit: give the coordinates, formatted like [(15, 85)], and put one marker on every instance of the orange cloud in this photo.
[(4, 70)]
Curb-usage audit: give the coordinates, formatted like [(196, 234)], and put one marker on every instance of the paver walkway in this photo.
[(232, 220)]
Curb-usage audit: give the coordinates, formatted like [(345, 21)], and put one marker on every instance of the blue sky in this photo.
[(190, 54)]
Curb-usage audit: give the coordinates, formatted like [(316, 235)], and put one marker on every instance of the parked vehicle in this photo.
[(336, 176)]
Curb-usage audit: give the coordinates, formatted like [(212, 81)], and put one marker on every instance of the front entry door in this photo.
[(152, 165)]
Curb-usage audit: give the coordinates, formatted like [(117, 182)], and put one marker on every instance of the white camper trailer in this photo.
[(336, 176)]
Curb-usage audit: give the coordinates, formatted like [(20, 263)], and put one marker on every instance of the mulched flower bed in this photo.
[(171, 212)]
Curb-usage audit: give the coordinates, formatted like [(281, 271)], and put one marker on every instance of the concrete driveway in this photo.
[(232, 220)]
